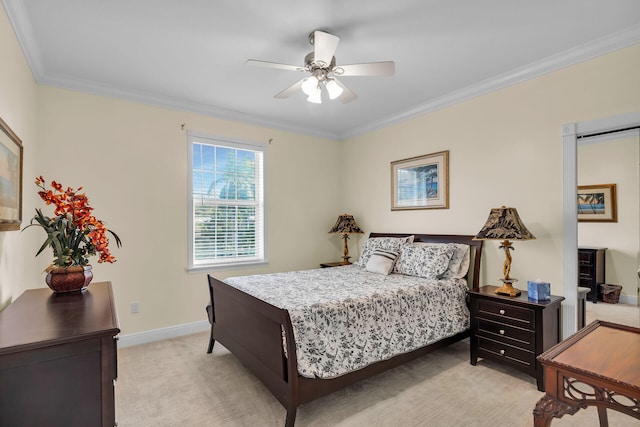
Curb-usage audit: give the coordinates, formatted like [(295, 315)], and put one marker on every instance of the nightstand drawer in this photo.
[(497, 350), (508, 313), (517, 337)]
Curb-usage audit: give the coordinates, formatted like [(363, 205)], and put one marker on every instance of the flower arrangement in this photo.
[(74, 233)]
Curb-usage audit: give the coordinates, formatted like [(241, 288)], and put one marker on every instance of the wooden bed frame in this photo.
[(252, 330)]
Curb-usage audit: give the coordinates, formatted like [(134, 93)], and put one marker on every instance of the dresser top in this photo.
[(39, 318)]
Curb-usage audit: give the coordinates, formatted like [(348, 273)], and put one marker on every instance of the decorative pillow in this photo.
[(424, 261), (460, 260), (381, 261), (387, 243)]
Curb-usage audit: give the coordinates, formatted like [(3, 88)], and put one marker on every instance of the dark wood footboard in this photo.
[(252, 330)]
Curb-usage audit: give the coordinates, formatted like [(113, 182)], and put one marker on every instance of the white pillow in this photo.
[(387, 243), (460, 260), (424, 261), (381, 261)]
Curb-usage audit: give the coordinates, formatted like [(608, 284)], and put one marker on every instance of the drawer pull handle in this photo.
[(502, 352), (502, 312), (501, 331)]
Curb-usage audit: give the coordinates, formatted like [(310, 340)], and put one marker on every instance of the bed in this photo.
[(262, 334)]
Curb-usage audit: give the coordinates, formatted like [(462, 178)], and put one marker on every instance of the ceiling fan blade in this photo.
[(324, 45), (386, 68), (266, 64), (290, 90), (347, 94)]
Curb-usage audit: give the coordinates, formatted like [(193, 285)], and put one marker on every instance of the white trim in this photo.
[(569, 232), (628, 299), (257, 146), (17, 14), (23, 29), (555, 62), (570, 132), (632, 133), (145, 337)]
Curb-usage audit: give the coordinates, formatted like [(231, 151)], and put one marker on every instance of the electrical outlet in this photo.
[(135, 308)]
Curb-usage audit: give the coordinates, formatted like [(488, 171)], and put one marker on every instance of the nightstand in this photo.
[(333, 264), (514, 330)]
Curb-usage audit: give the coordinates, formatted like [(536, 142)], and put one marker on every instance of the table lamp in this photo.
[(505, 224), (346, 225)]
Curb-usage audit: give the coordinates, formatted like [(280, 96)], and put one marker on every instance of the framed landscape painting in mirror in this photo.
[(10, 179), (597, 203)]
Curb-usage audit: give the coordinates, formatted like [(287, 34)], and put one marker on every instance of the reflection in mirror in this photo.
[(609, 251)]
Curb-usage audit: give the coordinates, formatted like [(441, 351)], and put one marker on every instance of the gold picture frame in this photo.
[(420, 182), (597, 203), (10, 179)]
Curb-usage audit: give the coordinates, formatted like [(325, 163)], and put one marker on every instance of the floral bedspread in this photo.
[(345, 318)]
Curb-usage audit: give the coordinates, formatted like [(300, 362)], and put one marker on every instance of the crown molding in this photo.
[(175, 104), (23, 29), (581, 53)]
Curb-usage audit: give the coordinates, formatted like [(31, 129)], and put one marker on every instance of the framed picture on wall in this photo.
[(10, 179), (597, 203), (420, 182)]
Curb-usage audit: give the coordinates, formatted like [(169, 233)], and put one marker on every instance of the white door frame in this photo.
[(570, 134)]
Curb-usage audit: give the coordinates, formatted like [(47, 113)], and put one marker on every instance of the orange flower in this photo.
[(82, 233)]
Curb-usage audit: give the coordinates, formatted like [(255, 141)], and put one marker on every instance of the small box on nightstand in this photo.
[(539, 291)]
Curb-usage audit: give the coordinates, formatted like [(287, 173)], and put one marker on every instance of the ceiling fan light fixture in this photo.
[(333, 89), (316, 96), (310, 86)]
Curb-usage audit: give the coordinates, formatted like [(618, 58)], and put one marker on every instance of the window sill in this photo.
[(229, 266)]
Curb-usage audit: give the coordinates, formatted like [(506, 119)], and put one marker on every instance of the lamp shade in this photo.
[(504, 224), (346, 225)]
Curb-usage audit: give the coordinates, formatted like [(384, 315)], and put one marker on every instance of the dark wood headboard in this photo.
[(473, 275)]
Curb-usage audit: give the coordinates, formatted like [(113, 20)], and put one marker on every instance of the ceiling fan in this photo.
[(321, 64)]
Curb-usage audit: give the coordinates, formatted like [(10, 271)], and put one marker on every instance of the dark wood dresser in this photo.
[(58, 358), (514, 330), (591, 270)]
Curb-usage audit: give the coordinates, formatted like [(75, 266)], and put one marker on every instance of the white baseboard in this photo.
[(628, 299), (138, 338)]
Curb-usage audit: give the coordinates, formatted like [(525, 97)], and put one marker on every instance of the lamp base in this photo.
[(508, 289)]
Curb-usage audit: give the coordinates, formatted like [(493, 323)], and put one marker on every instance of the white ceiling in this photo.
[(190, 54)]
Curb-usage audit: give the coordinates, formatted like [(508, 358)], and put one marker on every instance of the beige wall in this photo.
[(131, 158), (18, 110), (505, 149), (614, 162), (132, 161)]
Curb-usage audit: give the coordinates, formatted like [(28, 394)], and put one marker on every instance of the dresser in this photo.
[(591, 270), (514, 330), (58, 358)]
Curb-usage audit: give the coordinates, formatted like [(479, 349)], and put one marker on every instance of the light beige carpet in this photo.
[(175, 383)]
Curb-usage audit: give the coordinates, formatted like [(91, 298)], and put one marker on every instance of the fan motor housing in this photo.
[(311, 64)]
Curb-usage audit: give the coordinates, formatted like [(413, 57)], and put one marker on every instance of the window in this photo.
[(226, 202)]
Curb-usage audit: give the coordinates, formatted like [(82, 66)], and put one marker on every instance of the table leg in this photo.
[(602, 415), (547, 408)]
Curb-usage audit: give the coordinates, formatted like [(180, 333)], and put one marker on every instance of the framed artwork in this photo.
[(10, 179), (420, 182), (597, 203)]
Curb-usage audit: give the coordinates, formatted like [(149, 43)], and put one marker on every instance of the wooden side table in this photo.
[(514, 330), (597, 366), (333, 264), (58, 358)]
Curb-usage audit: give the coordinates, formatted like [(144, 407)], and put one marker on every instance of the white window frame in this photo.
[(261, 258)]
